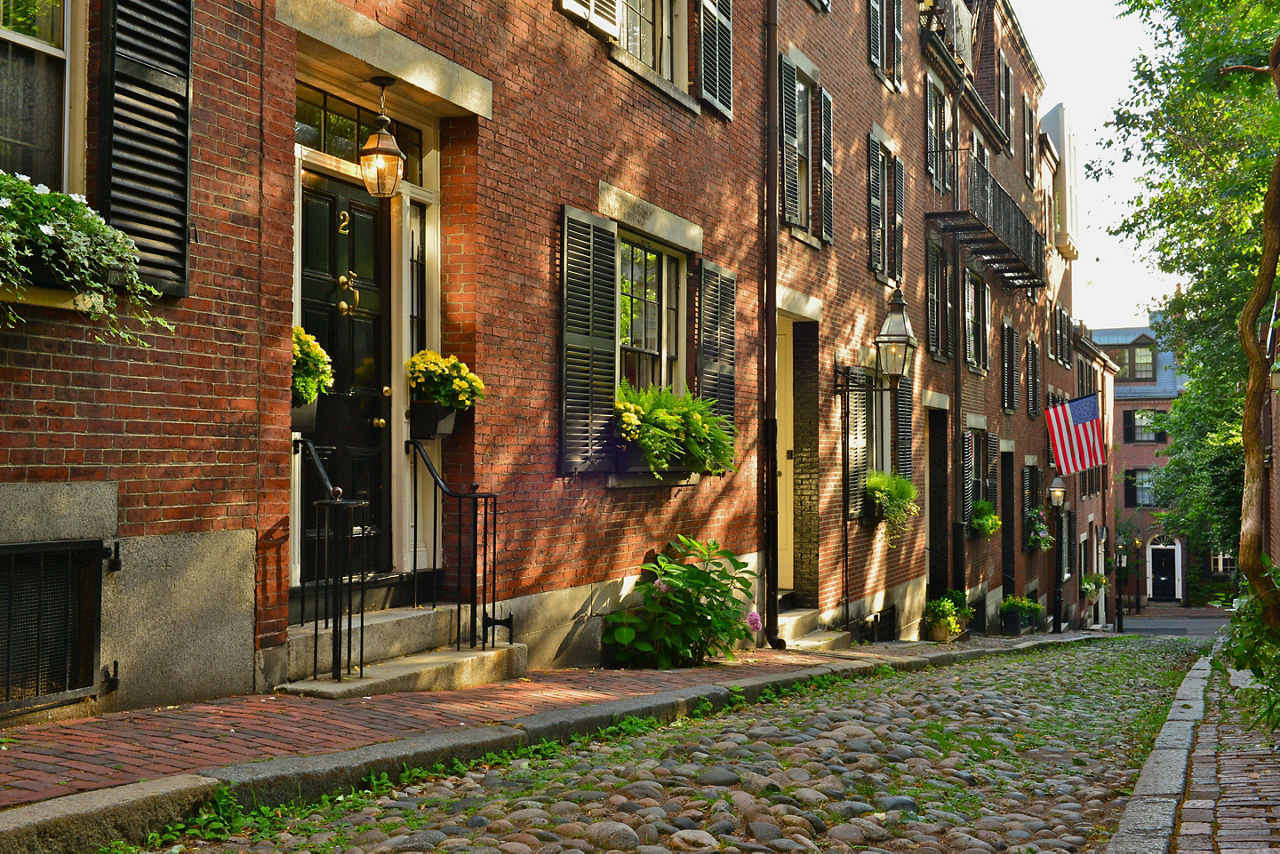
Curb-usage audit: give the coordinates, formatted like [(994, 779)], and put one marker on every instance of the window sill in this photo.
[(45, 298), (647, 74), (805, 237), (641, 480), (976, 371)]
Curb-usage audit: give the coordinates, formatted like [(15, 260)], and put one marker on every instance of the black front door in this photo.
[(1163, 583), (345, 302)]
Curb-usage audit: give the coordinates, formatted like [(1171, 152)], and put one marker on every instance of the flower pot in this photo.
[(1011, 621), (304, 417), (941, 634), (430, 420)]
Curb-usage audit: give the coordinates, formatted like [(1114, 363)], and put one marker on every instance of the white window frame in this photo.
[(1144, 426), (671, 368), (671, 57), (1142, 484)]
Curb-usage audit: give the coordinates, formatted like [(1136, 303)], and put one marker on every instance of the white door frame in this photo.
[(1177, 564)]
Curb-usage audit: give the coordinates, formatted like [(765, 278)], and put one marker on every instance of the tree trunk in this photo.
[(1256, 391)]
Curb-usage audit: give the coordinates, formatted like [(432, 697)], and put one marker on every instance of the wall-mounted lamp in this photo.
[(1057, 491), (381, 160), (896, 343)]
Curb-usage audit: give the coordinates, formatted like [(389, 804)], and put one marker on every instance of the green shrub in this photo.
[(1021, 604), (1252, 646), (693, 607), (985, 521), (942, 612), (894, 498)]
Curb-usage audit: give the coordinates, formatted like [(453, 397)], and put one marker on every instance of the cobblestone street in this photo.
[(1029, 753)]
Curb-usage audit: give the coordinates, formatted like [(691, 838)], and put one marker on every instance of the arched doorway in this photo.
[(1164, 568)]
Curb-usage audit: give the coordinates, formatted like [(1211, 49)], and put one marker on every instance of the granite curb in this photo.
[(1150, 817), (86, 821)]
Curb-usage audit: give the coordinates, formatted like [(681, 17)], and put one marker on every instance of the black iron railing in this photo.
[(464, 537), (989, 223), (339, 573)]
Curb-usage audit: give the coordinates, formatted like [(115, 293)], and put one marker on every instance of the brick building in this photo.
[(563, 160), (1147, 382)]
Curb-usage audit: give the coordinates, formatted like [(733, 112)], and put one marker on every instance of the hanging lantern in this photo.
[(381, 160)]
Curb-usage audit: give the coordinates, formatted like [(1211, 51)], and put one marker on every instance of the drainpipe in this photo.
[(771, 328)]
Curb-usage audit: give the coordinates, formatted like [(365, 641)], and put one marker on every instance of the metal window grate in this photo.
[(49, 601)]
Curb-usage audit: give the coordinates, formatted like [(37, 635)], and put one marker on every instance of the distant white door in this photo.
[(786, 454)]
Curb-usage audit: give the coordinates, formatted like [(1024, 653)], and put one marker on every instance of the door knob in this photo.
[(386, 391), (378, 423)]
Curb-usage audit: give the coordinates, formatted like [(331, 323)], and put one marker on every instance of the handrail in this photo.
[(300, 445), (482, 560)]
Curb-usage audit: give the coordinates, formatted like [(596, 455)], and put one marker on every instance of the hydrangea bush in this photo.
[(444, 380), (694, 605), (53, 238)]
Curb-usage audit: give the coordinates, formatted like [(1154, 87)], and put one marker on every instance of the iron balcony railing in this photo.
[(987, 221)]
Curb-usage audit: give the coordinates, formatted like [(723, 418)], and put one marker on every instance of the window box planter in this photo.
[(430, 420), (629, 459)]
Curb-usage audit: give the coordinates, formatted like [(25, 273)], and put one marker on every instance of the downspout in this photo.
[(959, 577), (771, 328)]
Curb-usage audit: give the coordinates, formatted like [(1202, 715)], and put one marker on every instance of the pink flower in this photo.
[(754, 622), (662, 586)]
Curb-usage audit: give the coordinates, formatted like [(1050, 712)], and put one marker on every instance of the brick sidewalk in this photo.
[(49, 760), (1232, 804)]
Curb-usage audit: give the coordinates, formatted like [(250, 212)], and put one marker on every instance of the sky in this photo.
[(1085, 54)]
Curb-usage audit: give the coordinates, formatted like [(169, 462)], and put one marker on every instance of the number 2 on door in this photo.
[(344, 222)]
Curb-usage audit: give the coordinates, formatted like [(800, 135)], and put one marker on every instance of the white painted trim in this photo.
[(1177, 567), (339, 26)]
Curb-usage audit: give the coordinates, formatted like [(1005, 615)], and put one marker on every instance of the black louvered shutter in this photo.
[(855, 444), (966, 439), (828, 169), (986, 327), (1026, 505), (875, 32), (1130, 488), (1014, 361), (899, 217), (1006, 375), (145, 140), (1037, 486), (903, 410), (1129, 430), (875, 202), (897, 40), (789, 118), (589, 271), (931, 131), (931, 287), (1162, 437), (717, 54), (717, 372), (945, 276), (970, 339), (993, 467), (1072, 545)]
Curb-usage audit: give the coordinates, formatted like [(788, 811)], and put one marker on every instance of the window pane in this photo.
[(1143, 363), (31, 88), (638, 30), (40, 20), (308, 118), (340, 131)]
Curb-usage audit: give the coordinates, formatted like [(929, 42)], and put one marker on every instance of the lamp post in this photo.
[(896, 343), (1122, 561), (381, 160), (1057, 495)]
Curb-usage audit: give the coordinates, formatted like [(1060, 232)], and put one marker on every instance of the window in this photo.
[(624, 319), (1137, 361), (1060, 326), (977, 320), (1032, 499), (808, 153), (1144, 363), (939, 159), (33, 66), (1009, 368), (939, 305), (886, 183), (1139, 426), (1222, 563), (981, 153), (1138, 484), (646, 33), (877, 429), (981, 468), (1029, 134), (884, 38)]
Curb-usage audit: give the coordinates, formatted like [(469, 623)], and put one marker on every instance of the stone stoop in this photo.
[(802, 630), (405, 649)]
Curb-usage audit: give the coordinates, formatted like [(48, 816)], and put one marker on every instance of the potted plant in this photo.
[(55, 240), (893, 498), (1092, 584), (1018, 613), (985, 522), (312, 376), (441, 386), (945, 618), (1037, 528), (662, 431)]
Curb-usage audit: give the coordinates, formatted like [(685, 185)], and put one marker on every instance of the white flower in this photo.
[(26, 178), (46, 229), (6, 203), (79, 198), (41, 190)]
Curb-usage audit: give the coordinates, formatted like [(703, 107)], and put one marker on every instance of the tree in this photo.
[(1204, 127)]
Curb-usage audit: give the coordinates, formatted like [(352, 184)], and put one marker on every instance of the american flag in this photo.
[(1075, 432)]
